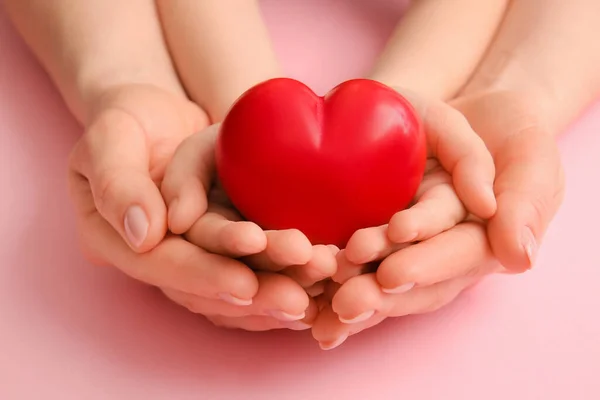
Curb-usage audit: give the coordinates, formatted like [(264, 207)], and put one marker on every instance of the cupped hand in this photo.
[(529, 187), (530, 182), (114, 174), (458, 181), (290, 266)]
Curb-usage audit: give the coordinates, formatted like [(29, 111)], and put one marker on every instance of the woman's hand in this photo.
[(114, 174), (529, 187)]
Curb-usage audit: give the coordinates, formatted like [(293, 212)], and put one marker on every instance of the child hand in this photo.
[(289, 261)]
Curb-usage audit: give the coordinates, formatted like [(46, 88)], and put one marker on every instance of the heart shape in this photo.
[(328, 166)]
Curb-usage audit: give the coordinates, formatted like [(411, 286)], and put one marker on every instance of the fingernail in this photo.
[(298, 325), (529, 245), (236, 301), (136, 225), (360, 318), (333, 344), (400, 289), (283, 316)]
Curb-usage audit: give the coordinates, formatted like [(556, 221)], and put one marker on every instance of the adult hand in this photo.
[(529, 187), (114, 173)]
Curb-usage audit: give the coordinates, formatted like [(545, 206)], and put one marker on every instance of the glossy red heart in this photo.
[(327, 166)]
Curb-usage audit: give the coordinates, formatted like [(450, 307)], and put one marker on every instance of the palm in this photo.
[(529, 183)]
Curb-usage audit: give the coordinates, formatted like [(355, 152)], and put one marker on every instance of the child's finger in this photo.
[(370, 244), (284, 248), (457, 252), (322, 265), (461, 152), (188, 179), (436, 211), (220, 231), (347, 269)]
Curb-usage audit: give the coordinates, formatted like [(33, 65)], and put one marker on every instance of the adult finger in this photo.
[(112, 159), (457, 252), (461, 152), (277, 298), (530, 179), (529, 189), (352, 311), (262, 323), (173, 263)]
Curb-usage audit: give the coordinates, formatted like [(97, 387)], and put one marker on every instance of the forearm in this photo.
[(438, 44), (548, 50), (221, 49), (89, 46)]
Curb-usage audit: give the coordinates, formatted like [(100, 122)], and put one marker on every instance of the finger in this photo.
[(327, 329), (330, 332), (284, 249), (174, 263), (220, 231), (260, 307), (256, 323), (317, 289), (188, 179), (437, 209), (461, 152), (347, 269), (322, 265), (112, 158), (530, 190), (457, 252), (370, 244), (420, 300)]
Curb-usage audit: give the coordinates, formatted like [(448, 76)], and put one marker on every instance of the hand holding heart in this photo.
[(328, 193)]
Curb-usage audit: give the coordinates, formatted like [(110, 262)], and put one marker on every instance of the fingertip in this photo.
[(186, 207), (288, 247), (402, 227), (243, 238), (365, 244), (515, 246)]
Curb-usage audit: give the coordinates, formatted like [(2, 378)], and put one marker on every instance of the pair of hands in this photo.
[(130, 191)]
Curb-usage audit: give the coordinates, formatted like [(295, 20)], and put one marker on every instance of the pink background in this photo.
[(72, 331)]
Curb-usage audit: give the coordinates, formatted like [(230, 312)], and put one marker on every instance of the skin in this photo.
[(124, 88), (537, 76)]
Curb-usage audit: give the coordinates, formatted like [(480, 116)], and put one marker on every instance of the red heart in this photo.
[(328, 165)]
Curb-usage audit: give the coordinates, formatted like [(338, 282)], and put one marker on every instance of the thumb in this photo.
[(114, 157), (529, 190), (188, 179)]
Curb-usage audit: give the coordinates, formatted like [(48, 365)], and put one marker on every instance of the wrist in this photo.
[(92, 84)]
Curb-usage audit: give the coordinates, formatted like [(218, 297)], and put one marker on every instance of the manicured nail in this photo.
[(400, 289), (529, 245), (360, 318), (236, 301), (136, 225), (283, 316), (333, 344)]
